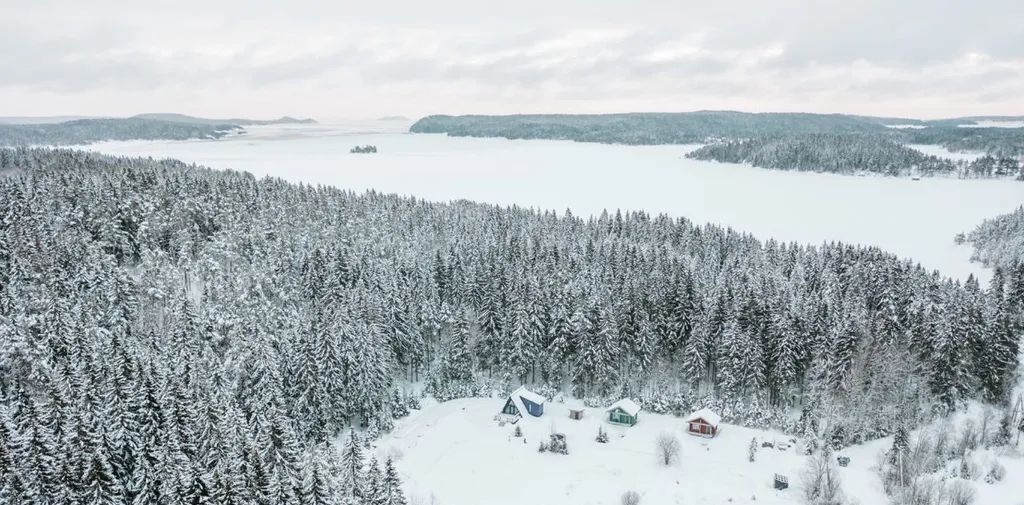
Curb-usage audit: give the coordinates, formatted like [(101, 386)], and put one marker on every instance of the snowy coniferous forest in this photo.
[(848, 154), (870, 138), (999, 242), (170, 333), (84, 131)]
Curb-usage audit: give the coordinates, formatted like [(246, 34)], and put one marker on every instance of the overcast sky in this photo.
[(364, 59)]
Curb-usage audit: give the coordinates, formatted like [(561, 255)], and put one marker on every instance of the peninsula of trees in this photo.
[(850, 154), (167, 330), (85, 131), (999, 242)]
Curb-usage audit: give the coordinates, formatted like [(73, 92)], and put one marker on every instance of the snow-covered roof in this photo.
[(627, 405), (518, 403), (708, 415), (526, 394)]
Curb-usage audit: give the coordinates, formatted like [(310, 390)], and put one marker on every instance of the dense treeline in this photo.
[(644, 128), (715, 126), (999, 242), (84, 131), (169, 332), (849, 154), (995, 142)]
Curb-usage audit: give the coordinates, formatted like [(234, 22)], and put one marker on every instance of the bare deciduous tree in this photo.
[(820, 480), (668, 448)]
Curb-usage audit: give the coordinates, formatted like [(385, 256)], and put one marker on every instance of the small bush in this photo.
[(996, 472), (518, 432), (630, 498)]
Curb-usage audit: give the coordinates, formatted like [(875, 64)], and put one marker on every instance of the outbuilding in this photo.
[(703, 423), (575, 408), (523, 400), (625, 412)]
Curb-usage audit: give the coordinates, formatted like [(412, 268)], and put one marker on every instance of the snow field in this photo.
[(456, 454)]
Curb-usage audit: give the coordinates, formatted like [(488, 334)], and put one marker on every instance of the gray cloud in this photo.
[(360, 57)]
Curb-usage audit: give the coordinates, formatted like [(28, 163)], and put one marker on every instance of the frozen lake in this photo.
[(915, 219)]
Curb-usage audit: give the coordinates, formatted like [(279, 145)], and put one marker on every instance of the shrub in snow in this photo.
[(630, 498), (558, 444), (518, 432), (820, 481), (811, 446), (542, 447), (602, 436), (968, 468), (837, 439), (667, 448), (959, 493), (996, 472), (752, 450), (1003, 434), (412, 401), (968, 437), (399, 406)]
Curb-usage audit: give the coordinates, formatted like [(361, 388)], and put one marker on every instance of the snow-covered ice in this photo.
[(915, 219)]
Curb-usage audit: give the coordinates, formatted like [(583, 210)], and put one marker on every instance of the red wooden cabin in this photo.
[(703, 423)]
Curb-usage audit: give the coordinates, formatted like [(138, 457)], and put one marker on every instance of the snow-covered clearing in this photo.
[(914, 219), (456, 452)]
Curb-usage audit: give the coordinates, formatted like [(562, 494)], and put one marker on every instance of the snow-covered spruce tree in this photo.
[(351, 471)]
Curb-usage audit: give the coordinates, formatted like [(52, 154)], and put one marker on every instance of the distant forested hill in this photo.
[(182, 118), (999, 242), (862, 137), (644, 128), (84, 131), (996, 142), (848, 154)]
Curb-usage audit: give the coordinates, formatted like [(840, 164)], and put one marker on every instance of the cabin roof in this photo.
[(708, 415), (528, 395), (628, 406), (518, 403)]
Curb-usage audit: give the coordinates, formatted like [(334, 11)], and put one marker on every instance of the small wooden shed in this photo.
[(625, 412), (575, 408), (703, 423)]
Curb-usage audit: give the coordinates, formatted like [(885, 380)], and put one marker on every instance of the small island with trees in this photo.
[(367, 149)]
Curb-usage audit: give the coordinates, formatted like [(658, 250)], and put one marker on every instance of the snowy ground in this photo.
[(457, 453)]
